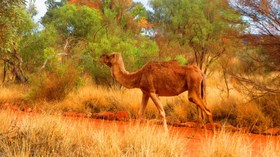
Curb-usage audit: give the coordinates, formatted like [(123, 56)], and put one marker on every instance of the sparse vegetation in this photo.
[(48, 135), (235, 144), (13, 93), (53, 66), (89, 97), (225, 144), (55, 85), (53, 135)]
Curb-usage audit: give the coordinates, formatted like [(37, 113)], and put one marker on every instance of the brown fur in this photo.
[(160, 79)]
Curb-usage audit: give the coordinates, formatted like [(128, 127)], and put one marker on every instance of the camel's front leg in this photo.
[(145, 98), (159, 106)]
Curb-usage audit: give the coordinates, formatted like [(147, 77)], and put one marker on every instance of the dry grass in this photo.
[(50, 135), (55, 85), (249, 115), (94, 98), (226, 144), (46, 135), (271, 150), (13, 93), (179, 109), (234, 110), (270, 106)]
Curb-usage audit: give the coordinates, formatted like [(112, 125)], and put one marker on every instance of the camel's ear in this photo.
[(113, 58), (106, 60)]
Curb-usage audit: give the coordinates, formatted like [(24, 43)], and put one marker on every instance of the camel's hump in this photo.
[(166, 66)]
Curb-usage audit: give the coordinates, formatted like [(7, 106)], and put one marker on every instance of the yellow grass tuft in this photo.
[(12, 93), (46, 135), (271, 149), (226, 144)]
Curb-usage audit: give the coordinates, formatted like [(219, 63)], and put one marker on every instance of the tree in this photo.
[(85, 31), (206, 29), (261, 57), (74, 25), (36, 49), (264, 18), (14, 23)]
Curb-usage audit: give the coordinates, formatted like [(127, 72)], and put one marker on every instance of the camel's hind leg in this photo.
[(159, 106), (193, 97), (200, 114)]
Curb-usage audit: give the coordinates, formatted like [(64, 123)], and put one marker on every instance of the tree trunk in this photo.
[(226, 81), (14, 61), (18, 71), (4, 71)]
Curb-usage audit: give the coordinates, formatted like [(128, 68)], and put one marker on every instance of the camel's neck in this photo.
[(129, 80)]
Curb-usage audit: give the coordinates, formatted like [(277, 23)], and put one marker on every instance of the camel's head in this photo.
[(111, 59)]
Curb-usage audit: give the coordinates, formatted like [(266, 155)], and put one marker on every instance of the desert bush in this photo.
[(270, 106), (226, 111), (233, 111), (56, 84), (179, 109), (250, 115)]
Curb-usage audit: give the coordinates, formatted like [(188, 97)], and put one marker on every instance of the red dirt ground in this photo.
[(257, 141)]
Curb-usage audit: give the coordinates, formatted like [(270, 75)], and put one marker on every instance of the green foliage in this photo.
[(52, 4), (14, 24), (135, 53), (92, 34), (33, 48), (200, 27), (181, 59), (138, 10), (69, 20), (80, 33), (7, 5)]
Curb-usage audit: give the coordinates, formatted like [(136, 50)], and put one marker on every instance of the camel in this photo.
[(160, 79)]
